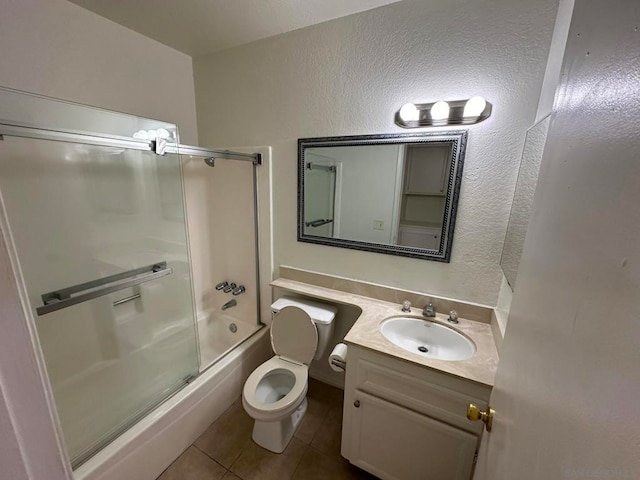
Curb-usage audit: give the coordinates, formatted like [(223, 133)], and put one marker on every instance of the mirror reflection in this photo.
[(386, 193), (523, 199)]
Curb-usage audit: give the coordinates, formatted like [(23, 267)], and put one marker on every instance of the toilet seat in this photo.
[(260, 410), (294, 339), (294, 335)]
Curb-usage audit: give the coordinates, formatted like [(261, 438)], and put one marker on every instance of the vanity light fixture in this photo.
[(458, 112)]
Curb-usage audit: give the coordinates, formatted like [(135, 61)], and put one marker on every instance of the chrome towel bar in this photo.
[(126, 299)]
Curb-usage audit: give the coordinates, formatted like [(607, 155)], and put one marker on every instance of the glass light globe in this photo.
[(440, 111), (474, 107), (409, 113)]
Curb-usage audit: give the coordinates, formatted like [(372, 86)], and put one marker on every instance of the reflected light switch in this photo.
[(378, 225)]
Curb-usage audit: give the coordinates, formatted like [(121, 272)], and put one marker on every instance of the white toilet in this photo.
[(275, 394)]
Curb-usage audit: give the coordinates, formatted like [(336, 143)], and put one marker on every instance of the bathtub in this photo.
[(145, 450), (219, 333)]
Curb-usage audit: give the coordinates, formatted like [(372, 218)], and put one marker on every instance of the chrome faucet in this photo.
[(429, 311), (229, 304)]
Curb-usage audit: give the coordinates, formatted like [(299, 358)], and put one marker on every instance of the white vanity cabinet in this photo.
[(403, 421), (421, 237)]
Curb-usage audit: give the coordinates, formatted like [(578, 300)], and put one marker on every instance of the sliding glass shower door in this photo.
[(100, 238)]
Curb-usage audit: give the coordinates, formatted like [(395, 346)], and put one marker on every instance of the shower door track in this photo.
[(160, 147)]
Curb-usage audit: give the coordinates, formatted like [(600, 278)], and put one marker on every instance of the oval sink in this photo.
[(429, 339)]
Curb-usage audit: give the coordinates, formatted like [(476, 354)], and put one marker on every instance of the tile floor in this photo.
[(225, 450)]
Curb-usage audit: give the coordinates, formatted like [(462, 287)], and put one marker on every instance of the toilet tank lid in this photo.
[(319, 312)]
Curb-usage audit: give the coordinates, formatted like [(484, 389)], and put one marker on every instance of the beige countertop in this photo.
[(480, 368)]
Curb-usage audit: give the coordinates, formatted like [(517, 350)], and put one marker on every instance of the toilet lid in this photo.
[(294, 335)]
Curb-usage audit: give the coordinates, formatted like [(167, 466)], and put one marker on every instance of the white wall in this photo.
[(367, 190), (545, 107), (348, 76), (55, 48), (568, 380)]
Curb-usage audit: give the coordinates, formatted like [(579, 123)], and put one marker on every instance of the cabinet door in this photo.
[(425, 170), (395, 443)]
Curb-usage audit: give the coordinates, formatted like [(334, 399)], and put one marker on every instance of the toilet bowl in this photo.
[(274, 395)]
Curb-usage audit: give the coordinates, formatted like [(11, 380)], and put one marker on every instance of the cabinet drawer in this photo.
[(417, 394)]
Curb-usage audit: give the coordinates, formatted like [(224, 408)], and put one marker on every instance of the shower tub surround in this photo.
[(219, 333), (149, 447)]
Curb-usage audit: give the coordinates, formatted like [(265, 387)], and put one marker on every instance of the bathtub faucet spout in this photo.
[(229, 304)]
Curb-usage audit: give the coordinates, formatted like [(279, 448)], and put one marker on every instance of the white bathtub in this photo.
[(150, 446), (219, 333)]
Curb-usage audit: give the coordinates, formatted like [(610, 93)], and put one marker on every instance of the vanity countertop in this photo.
[(366, 333)]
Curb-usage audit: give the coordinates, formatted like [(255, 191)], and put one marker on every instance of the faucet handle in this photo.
[(222, 285), (453, 317), (229, 288), (240, 289), (406, 306)]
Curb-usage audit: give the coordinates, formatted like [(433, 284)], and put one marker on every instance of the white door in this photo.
[(569, 375)]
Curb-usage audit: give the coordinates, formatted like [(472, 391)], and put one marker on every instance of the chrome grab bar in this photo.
[(59, 299), (316, 166), (318, 223)]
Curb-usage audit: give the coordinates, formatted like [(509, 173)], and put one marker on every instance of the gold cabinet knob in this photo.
[(474, 413)]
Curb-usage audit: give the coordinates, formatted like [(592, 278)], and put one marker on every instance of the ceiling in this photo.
[(201, 27)]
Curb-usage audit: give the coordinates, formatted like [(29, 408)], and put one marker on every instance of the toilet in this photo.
[(275, 394)]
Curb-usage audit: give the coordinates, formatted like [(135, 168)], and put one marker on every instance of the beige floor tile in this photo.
[(193, 465), (328, 437), (228, 436), (256, 463), (316, 413), (228, 442), (231, 476), (319, 466), (324, 392)]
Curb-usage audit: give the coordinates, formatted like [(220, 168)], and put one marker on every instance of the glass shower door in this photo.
[(100, 237)]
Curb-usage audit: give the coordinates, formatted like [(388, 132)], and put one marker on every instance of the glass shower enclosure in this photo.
[(97, 230)]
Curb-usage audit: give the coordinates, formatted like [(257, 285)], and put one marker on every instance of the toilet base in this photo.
[(276, 435)]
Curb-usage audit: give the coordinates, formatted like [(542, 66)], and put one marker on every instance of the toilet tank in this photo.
[(321, 314)]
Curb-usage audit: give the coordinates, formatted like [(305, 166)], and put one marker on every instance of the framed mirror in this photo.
[(395, 193)]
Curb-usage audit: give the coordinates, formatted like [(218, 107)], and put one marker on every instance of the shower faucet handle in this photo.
[(239, 290), (222, 285), (229, 287)]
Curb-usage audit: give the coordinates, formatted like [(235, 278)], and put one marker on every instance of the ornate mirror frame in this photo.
[(456, 138)]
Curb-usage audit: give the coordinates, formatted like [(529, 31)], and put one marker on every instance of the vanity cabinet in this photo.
[(421, 237), (403, 421)]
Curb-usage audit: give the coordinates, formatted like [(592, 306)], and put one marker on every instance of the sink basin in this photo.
[(429, 339)]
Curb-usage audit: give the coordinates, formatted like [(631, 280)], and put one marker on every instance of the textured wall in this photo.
[(568, 380), (55, 48), (348, 76)]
